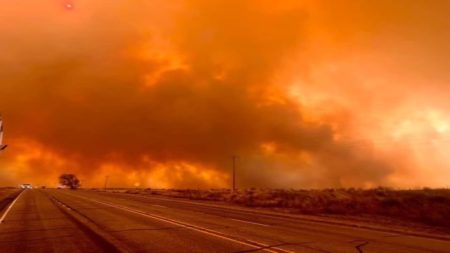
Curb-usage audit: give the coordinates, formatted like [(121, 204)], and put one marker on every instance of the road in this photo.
[(86, 221)]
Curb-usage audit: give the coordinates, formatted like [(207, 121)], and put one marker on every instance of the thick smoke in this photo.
[(163, 94)]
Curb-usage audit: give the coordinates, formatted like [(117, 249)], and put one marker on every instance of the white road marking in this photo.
[(254, 244), (9, 208), (160, 206), (250, 222)]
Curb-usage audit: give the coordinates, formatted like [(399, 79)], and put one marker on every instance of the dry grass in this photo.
[(426, 206), (7, 194)]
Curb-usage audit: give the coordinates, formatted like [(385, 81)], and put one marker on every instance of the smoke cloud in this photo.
[(163, 94)]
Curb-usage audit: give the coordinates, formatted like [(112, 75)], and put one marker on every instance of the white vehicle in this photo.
[(26, 186), (2, 146)]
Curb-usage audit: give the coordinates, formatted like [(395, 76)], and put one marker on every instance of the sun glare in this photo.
[(69, 6)]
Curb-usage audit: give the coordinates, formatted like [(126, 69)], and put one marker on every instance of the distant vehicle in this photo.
[(26, 186), (2, 146)]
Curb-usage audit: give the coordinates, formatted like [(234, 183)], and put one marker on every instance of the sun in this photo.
[(69, 6)]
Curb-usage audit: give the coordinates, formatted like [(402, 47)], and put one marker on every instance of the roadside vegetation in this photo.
[(426, 206), (7, 194)]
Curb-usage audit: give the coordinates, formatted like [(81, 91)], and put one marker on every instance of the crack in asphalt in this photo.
[(34, 230), (94, 234), (37, 219), (145, 229), (266, 247), (38, 239), (388, 236), (313, 248), (359, 246), (302, 244)]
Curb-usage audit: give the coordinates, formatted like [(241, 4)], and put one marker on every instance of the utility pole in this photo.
[(106, 181), (234, 173), (2, 146)]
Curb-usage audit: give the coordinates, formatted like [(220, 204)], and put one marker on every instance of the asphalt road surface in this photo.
[(86, 221)]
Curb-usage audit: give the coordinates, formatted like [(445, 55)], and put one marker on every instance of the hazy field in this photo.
[(6, 192), (425, 206), (6, 196)]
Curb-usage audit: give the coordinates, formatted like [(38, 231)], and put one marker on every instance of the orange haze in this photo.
[(162, 93)]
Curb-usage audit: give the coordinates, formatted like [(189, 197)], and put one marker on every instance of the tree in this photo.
[(69, 180)]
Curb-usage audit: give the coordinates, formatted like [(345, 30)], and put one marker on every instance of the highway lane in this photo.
[(143, 233), (156, 224), (35, 224), (86, 221)]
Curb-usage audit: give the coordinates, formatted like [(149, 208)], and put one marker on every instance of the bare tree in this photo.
[(69, 180)]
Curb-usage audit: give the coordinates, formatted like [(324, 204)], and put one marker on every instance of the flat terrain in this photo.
[(7, 195), (5, 192), (425, 209), (87, 221)]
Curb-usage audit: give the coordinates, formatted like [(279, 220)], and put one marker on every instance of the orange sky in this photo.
[(162, 93)]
